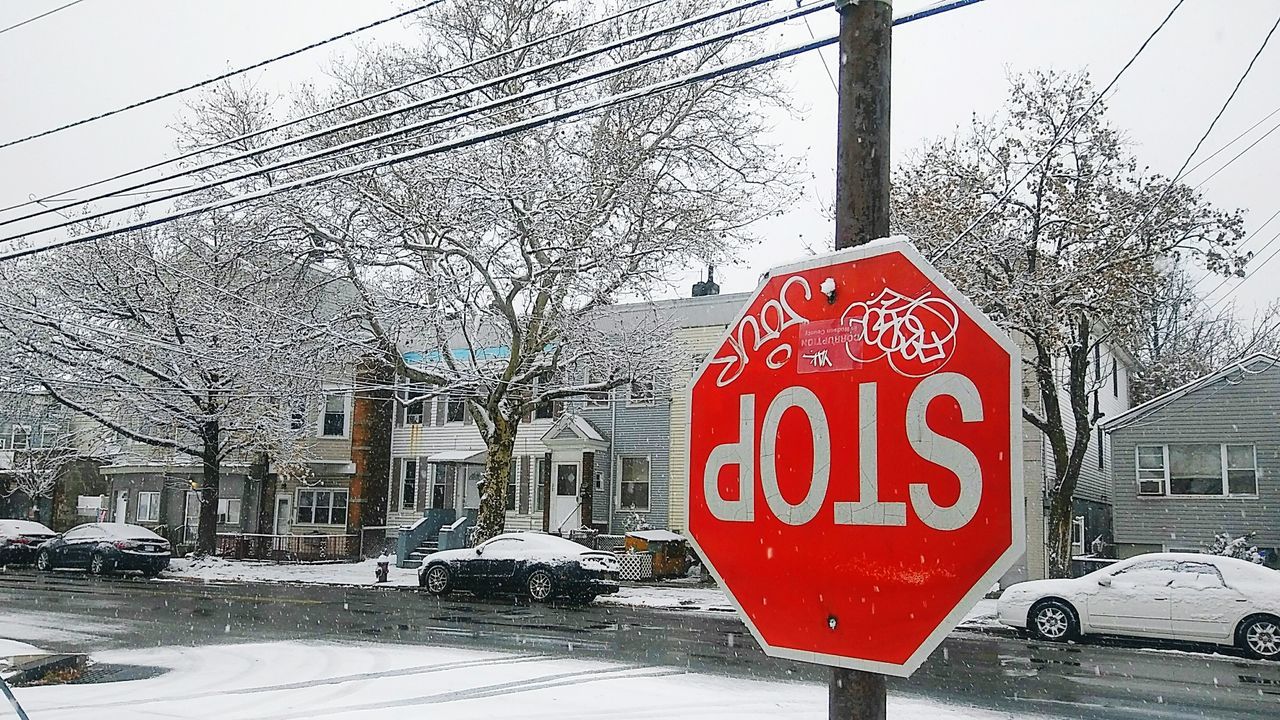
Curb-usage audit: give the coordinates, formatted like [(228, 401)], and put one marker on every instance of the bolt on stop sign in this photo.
[(854, 459)]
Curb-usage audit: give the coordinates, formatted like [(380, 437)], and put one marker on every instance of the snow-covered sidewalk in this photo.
[(357, 682)]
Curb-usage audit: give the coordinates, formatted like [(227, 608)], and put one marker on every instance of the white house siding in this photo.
[(697, 342)]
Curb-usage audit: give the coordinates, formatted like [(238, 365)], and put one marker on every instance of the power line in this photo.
[(623, 66), (340, 106), (1233, 141), (41, 15), (219, 78), (1057, 140)]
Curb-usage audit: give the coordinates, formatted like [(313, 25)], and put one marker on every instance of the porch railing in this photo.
[(288, 548)]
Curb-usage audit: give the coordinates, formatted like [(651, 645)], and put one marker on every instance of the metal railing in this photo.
[(287, 548)]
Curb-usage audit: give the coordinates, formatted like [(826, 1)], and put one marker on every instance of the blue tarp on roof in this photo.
[(433, 357)]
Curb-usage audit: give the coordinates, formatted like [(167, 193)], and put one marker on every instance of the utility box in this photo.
[(671, 556)]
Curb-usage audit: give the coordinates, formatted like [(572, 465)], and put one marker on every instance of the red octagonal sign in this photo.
[(854, 459)]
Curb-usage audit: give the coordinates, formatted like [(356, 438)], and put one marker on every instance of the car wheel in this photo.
[(98, 564), (44, 563), (1053, 620), (436, 580), (152, 572), (541, 585), (1260, 637)]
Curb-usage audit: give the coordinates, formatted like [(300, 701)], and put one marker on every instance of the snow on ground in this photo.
[(373, 682), (9, 648), (47, 627), (361, 573)]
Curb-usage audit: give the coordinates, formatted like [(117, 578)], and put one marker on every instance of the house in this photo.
[(1110, 370), (338, 486), (1200, 460), (43, 476), (605, 461)]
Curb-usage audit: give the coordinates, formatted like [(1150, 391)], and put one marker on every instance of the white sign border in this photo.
[(1017, 546)]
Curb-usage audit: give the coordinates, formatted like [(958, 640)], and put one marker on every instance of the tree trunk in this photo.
[(1057, 542), (493, 489), (207, 531)]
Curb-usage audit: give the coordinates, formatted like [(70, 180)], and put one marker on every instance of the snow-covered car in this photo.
[(103, 548), (1176, 596), (534, 564), (19, 540)]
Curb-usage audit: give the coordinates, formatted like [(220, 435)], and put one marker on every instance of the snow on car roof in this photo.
[(24, 527), (543, 540), (125, 530)]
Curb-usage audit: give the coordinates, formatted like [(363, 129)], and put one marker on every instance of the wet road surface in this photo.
[(72, 612)]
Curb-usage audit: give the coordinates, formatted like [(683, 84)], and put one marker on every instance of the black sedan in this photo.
[(103, 548), (19, 540), (540, 566)]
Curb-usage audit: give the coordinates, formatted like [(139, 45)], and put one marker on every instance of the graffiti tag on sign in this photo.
[(762, 333), (825, 346), (916, 334)]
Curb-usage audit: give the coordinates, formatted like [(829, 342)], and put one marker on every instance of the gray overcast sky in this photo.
[(101, 54)]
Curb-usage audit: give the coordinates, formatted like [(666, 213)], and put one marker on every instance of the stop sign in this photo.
[(854, 459)]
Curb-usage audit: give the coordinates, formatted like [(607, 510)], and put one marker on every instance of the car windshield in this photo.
[(640, 359)]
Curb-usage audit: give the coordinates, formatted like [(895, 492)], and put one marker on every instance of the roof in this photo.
[(579, 427), (1250, 365), (474, 457)]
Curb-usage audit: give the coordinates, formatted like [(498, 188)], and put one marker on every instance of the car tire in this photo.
[(1259, 637), (540, 585), (98, 564), (437, 580), (1053, 620), (152, 572), (44, 561)]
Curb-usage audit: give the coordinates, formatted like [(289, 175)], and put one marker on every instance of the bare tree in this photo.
[(1183, 336), (198, 339), (1068, 254), (492, 262)]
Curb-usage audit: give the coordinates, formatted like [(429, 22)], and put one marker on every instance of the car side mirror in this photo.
[(480, 550), (1104, 582)]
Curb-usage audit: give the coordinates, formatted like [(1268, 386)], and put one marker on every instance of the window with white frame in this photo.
[(228, 511), (333, 423), (415, 411), (148, 507), (50, 436), (1197, 470), (633, 484), (596, 398), (322, 507), (409, 485), (454, 409), (542, 475), (642, 391), (20, 437), (1077, 535)]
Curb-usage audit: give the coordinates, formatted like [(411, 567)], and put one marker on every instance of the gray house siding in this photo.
[(632, 430), (1240, 408)]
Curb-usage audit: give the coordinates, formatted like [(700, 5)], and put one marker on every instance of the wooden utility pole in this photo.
[(862, 215)]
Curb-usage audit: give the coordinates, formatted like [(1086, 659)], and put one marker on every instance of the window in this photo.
[(334, 423), (50, 436), (633, 489), (542, 470), (322, 507), (297, 414), (1195, 469), (1102, 458), (1198, 469), (84, 532), (455, 409), (409, 485), (1242, 470), (1151, 469), (20, 437), (191, 514), (1198, 575), (642, 392), (544, 410), (437, 473), (598, 398), (1151, 573), (1077, 535), (415, 411), (228, 511), (148, 507), (511, 486), (88, 505)]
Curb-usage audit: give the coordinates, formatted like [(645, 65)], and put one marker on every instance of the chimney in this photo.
[(704, 288)]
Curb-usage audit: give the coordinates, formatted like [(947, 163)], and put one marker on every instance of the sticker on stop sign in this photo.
[(854, 459)]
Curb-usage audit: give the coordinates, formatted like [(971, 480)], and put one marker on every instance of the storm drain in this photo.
[(111, 672)]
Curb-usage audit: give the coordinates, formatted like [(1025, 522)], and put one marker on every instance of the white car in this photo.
[(1179, 596)]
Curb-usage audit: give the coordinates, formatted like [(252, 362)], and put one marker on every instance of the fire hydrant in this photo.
[(384, 568)]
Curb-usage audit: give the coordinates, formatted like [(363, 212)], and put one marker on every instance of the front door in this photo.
[(122, 506), (565, 509), (283, 520), (1135, 600)]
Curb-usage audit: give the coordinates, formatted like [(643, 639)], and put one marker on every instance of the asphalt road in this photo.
[(72, 612)]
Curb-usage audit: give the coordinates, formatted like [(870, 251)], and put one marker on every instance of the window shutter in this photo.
[(466, 415), (400, 410), (522, 486), (442, 407), (397, 472)]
